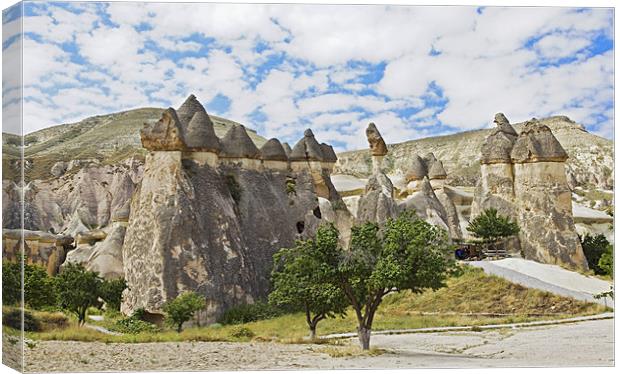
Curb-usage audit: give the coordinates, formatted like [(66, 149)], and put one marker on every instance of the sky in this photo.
[(279, 69)]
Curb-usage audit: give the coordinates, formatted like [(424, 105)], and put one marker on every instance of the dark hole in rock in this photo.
[(317, 212), (300, 226)]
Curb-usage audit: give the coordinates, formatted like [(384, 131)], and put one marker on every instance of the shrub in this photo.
[(606, 262), (52, 320), (593, 249), (134, 325), (38, 287), (112, 292), (249, 313), (12, 317), (11, 283), (182, 308), (242, 332)]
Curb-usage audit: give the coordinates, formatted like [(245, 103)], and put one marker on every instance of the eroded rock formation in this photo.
[(524, 177), (209, 219)]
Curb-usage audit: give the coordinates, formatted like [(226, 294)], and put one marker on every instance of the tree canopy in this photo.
[(491, 226), (78, 289), (182, 308)]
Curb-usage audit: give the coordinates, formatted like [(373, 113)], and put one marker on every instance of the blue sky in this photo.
[(414, 71)]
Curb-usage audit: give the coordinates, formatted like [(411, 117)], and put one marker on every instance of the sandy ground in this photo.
[(580, 344)]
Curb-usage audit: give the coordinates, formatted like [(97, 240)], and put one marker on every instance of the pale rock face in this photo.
[(104, 256), (427, 206), (40, 248), (495, 190), (452, 216), (544, 205), (211, 230), (377, 203)]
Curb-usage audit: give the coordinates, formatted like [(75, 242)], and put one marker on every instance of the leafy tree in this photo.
[(593, 249), (606, 262), (78, 289), (38, 287), (491, 226), (112, 293), (301, 282), (182, 308), (407, 254), (11, 283)]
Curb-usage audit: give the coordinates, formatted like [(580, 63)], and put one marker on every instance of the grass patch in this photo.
[(356, 192), (473, 299)]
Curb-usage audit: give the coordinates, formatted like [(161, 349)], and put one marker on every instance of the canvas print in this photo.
[(218, 186)]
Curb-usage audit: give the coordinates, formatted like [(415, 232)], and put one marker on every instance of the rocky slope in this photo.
[(590, 162)]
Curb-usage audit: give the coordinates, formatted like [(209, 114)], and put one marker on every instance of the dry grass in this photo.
[(473, 299), (351, 351)]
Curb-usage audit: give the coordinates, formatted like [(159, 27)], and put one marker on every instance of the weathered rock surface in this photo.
[(532, 189), (427, 206), (375, 141), (590, 156), (40, 248), (377, 203)]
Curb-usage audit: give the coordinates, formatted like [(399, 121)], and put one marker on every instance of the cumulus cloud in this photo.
[(415, 71)]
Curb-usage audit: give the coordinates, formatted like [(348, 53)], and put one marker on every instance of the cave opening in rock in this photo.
[(317, 212), (300, 226)]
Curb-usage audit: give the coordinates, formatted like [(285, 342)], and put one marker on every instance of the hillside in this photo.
[(113, 137), (590, 163), (108, 138)]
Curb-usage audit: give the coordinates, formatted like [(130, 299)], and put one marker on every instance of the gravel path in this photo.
[(557, 287), (580, 344)]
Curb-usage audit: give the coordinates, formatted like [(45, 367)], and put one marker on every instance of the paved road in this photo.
[(587, 343), (531, 282)]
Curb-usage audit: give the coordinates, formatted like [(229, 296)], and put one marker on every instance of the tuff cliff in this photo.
[(523, 177), (209, 213)]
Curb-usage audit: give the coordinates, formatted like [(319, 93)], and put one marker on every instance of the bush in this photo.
[(112, 293), (593, 249), (133, 325), (51, 320), (12, 317), (11, 283), (182, 308), (606, 263), (38, 287), (242, 332), (250, 313)]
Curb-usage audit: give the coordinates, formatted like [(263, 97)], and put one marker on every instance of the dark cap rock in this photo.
[(273, 151), (328, 153), (417, 169), (238, 144), (536, 143), (375, 141), (307, 149), (436, 171), (165, 135), (200, 134), (187, 110)]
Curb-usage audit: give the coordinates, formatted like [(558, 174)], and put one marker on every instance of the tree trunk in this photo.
[(180, 327), (312, 332), (363, 333)]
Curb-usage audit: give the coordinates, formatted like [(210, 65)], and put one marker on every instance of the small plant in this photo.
[(133, 325), (242, 332), (182, 308), (290, 186), (594, 247)]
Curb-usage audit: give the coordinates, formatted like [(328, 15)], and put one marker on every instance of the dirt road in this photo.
[(580, 344)]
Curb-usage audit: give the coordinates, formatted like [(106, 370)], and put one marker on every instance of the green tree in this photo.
[(182, 308), (77, 289), (492, 226), (112, 293), (593, 249), (301, 282), (38, 287), (407, 254), (11, 283), (606, 262)]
